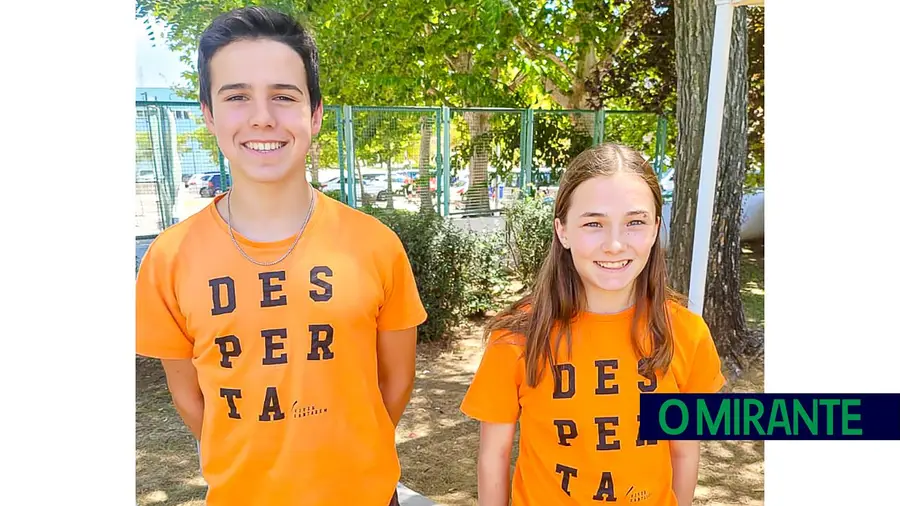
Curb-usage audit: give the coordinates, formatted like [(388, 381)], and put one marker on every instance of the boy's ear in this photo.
[(208, 118), (317, 118)]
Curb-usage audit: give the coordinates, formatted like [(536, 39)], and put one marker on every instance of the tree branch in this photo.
[(517, 81), (535, 51), (561, 98), (633, 20)]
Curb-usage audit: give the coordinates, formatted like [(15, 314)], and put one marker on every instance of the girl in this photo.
[(569, 361)]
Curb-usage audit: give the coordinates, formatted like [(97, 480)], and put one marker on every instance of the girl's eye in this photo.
[(637, 222), (593, 224)]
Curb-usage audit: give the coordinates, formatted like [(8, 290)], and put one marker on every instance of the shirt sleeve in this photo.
[(160, 326), (402, 307), (493, 395), (705, 371)]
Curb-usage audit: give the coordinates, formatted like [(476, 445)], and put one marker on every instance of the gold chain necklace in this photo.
[(312, 204)]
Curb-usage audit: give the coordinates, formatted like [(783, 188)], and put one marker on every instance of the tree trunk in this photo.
[(424, 177), (314, 151), (477, 200), (694, 21), (723, 307), (364, 198)]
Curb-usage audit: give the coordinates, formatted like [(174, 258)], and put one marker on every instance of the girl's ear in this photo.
[(561, 232)]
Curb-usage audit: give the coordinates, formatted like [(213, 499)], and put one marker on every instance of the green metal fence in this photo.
[(458, 161)]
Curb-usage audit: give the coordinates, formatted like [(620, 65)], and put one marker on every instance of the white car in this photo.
[(146, 176)]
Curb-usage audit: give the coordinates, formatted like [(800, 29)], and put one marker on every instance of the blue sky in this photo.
[(155, 66)]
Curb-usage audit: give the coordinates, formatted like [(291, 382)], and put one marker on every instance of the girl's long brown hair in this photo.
[(558, 296)]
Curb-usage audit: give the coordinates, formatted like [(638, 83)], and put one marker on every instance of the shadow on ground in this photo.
[(167, 464)]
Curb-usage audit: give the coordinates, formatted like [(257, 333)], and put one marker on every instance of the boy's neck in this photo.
[(267, 212)]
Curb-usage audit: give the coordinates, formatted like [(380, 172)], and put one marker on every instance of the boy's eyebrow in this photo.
[(245, 86)]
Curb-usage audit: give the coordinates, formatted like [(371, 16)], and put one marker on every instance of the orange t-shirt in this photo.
[(578, 440), (285, 355)]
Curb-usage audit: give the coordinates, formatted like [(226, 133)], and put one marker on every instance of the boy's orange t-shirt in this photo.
[(285, 355), (578, 439)]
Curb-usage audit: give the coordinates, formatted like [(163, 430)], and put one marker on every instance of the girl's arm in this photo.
[(494, 451), (685, 466)]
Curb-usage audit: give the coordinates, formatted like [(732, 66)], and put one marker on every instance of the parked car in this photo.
[(378, 185), (193, 183), (209, 185), (146, 176)]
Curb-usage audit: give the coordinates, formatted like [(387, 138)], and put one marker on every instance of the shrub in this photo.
[(335, 194), (529, 231), (440, 255), (487, 273)]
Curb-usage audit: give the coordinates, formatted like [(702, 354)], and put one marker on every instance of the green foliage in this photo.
[(383, 137), (335, 194), (458, 273), (201, 137), (756, 49), (643, 76), (529, 232), (558, 138), (487, 275), (143, 148)]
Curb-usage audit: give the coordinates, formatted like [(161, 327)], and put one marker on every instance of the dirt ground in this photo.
[(436, 443)]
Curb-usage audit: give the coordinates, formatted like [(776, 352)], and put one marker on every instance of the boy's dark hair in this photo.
[(251, 23)]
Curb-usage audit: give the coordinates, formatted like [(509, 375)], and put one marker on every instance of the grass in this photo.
[(753, 277), (436, 443)]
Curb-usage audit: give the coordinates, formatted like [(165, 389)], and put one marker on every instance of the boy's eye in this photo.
[(637, 222), (284, 97), (234, 98)]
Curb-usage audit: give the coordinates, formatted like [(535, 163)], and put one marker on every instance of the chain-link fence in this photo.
[(178, 165), (457, 161), (394, 157)]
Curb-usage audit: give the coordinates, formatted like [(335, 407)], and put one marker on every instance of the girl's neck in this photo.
[(607, 302)]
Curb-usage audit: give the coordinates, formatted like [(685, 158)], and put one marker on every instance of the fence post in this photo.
[(445, 158), (438, 158), (526, 141), (529, 142), (226, 180), (165, 184), (351, 156), (339, 126), (662, 143), (661, 139), (523, 151), (599, 124)]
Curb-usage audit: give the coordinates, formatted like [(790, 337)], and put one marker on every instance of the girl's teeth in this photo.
[(613, 265)]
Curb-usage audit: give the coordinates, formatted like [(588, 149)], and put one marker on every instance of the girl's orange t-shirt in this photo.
[(578, 440)]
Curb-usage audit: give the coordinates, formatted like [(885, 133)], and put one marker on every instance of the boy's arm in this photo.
[(181, 377), (396, 351)]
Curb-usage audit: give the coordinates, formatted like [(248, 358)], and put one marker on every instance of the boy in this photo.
[(285, 320)]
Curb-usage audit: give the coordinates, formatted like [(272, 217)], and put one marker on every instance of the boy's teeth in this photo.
[(264, 146)]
